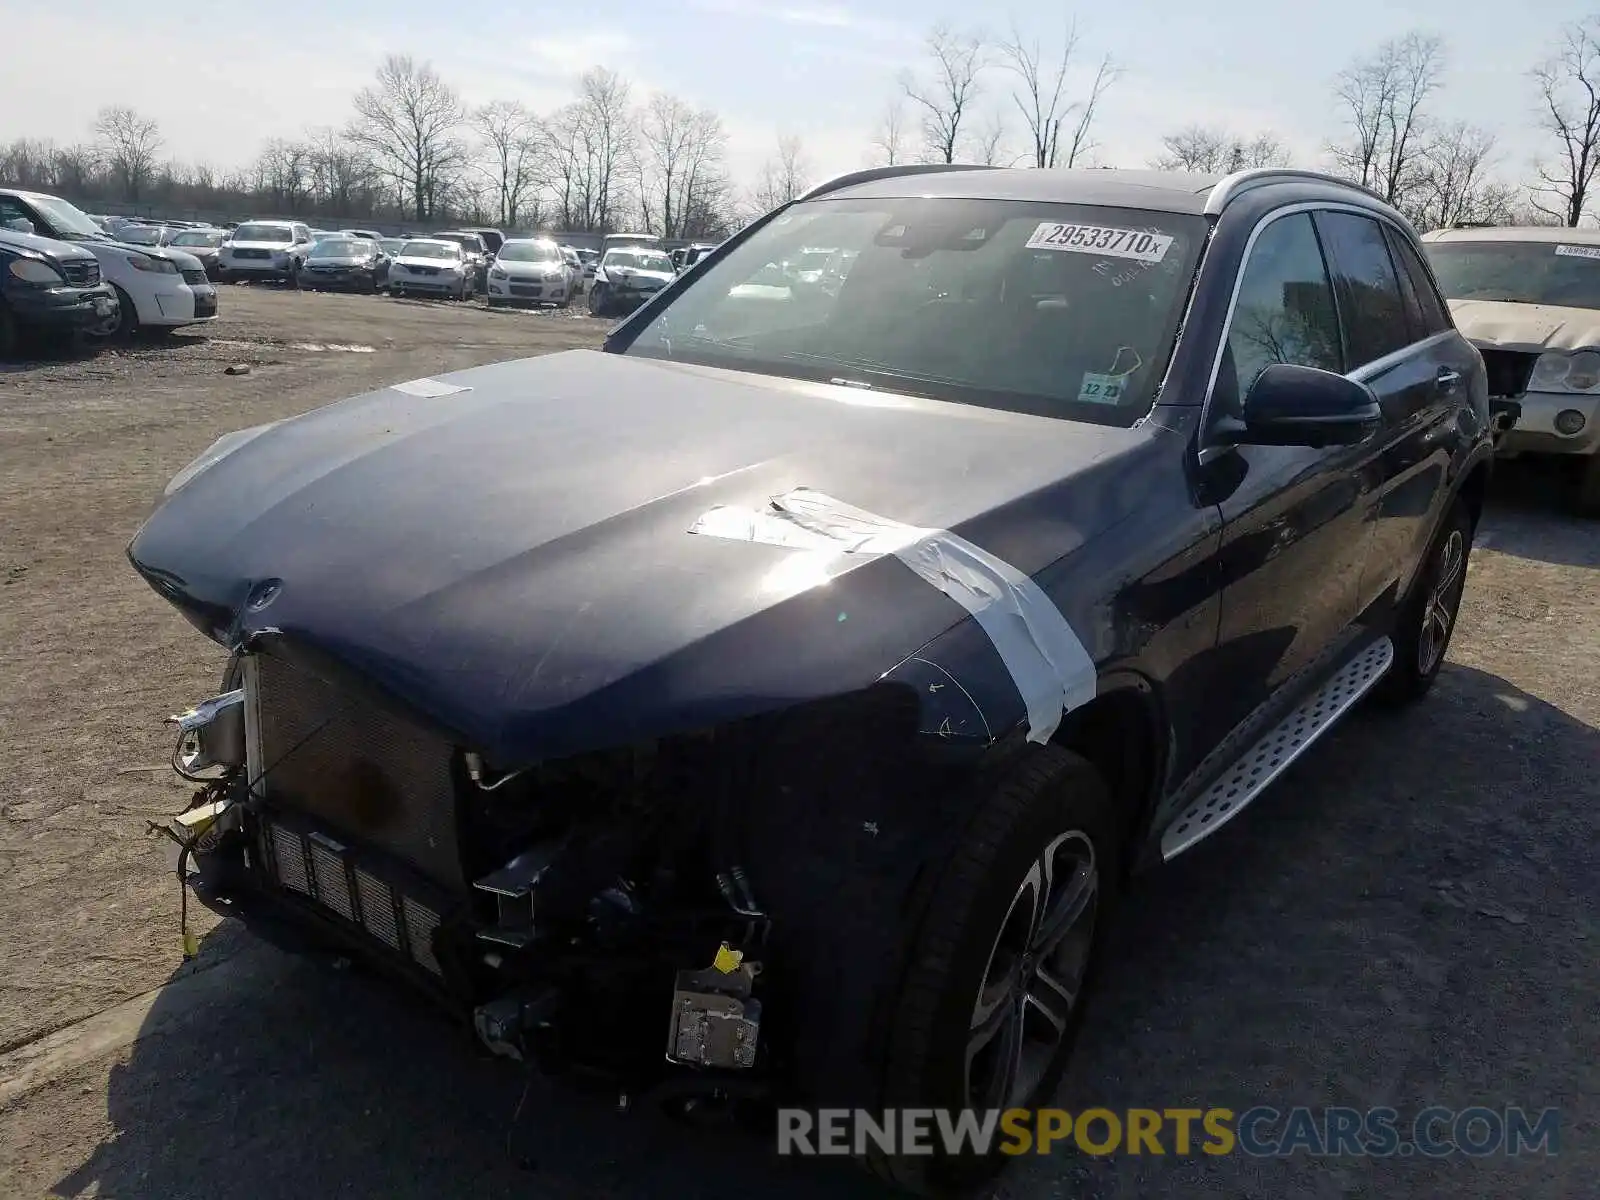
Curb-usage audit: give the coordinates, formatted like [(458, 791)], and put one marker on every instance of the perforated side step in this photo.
[(1263, 762)]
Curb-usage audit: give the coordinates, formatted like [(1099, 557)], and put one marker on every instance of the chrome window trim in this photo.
[(1360, 374)]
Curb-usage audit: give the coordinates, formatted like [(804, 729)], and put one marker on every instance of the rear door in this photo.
[(1401, 344)]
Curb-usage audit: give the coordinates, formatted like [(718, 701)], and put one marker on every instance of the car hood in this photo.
[(342, 260), (65, 251), (406, 260), (634, 275), (506, 551), (275, 247), (1535, 328), (535, 270)]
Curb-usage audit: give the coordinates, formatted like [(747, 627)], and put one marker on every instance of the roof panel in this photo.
[(1173, 191)]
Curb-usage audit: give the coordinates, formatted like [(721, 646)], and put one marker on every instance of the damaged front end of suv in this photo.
[(585, 914)]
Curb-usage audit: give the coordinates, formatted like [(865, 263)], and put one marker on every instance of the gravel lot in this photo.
[(1409, 918)]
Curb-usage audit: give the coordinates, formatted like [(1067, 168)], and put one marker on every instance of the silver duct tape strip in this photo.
[(1049, 665), (429, 387)]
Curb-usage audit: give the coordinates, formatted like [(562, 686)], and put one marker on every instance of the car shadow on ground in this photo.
[(1528, 515), (1394, 923)]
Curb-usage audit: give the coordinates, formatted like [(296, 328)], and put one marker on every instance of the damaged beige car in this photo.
[(1529, 299)]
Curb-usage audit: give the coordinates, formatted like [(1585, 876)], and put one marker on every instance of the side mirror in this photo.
[(1291, 405)]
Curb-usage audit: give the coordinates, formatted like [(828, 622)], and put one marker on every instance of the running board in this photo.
[(1286, 741)]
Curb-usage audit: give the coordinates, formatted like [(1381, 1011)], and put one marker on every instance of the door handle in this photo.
[(1447, 379)]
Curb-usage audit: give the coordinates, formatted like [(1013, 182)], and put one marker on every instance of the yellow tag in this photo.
[(191, 944), (727, 961)]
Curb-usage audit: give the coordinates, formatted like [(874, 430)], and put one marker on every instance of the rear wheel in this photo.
[(1427, 619), (993, 997)]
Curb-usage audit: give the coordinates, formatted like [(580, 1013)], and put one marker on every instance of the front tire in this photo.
[(993, 996), (598, 301), (127, 315), (1427, 619)]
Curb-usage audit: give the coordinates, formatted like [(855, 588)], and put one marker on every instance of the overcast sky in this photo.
[(221, 80)]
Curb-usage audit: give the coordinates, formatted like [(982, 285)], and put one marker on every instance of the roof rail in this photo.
[(872, 174), (1230, 186)]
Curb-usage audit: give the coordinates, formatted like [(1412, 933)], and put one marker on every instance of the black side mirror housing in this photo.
[(1291, 405)]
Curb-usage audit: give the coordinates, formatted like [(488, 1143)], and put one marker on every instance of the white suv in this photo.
[(161, 288), (265, 250)]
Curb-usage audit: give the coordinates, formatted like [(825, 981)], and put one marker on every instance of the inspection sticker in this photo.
[(1101, 389), (1568, 251), (1101, 239)]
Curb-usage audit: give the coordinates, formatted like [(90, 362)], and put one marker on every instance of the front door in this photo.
[(1297, 522)]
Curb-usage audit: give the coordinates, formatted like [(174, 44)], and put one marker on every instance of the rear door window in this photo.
[(1371, 308)]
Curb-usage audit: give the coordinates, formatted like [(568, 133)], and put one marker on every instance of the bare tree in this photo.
[(283, 175), (512, 150), (945, 100), (783, 178), (681, 151), (128, 143), (1041, 95), (1454, 183), (1212, 151), (1569, 92), (889, 142), (408, 120), (592, 149), (989, 145), (1384, 97)]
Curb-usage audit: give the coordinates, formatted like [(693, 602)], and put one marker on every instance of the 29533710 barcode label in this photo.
[(1104, 240)]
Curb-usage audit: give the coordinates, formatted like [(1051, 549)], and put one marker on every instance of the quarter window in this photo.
[(1422, 298), (1371, 309), (1285, 311)]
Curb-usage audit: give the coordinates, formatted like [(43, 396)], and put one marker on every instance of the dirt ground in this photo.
[(1408, 918)]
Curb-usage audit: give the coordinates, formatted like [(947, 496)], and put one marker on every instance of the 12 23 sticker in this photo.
[(1104, 240), (1101, 389)]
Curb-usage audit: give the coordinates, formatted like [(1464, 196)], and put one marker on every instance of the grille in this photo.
[(357, 770), (194, 276), (244, 253), (523, 289), (81, 274), (321, 869), (423, 270)]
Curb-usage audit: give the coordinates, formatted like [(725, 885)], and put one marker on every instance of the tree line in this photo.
[(1012, 101), (412, 150)]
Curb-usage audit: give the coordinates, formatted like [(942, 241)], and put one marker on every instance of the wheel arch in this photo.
[(1473, 486), (1121, 732)]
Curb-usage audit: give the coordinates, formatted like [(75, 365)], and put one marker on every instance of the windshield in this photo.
[(529, 252), (212, 237), (1055, 309), (1522, 272), (278, 234), (340, 248), (638, 260), (391, 245), (140, 235), (430, 250), (68, 219), (813, 260), (466, 241)]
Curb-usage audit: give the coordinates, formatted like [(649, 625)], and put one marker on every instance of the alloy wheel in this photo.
[(1035, 975), (1444, 600)]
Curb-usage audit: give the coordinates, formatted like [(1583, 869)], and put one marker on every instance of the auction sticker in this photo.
[(1104, 240), (1568, 251)]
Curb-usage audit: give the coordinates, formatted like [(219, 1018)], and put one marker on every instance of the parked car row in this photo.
[(66, 274)]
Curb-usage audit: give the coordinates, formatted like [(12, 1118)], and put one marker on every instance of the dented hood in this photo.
[(506, 551), (1534, 328)]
